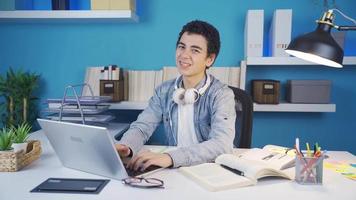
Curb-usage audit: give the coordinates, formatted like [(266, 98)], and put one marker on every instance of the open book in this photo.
[(232, 170)]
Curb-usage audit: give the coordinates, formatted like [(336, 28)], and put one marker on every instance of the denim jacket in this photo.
[(214, 120)]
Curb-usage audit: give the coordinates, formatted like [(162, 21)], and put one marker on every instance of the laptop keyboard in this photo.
[(133, 173)]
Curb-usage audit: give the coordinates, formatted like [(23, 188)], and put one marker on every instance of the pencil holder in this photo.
[(309, 170)]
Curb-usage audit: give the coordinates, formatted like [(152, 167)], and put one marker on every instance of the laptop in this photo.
[(87, 148)]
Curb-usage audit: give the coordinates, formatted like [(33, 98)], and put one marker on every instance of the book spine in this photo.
[(122, 5), (126, 84), (115, 73), (60, 4), (79, 4), (106, 73), (23, 4), (100, 4), (110, 72)]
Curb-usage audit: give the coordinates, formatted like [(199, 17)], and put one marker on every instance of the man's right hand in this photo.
[(123, 150)]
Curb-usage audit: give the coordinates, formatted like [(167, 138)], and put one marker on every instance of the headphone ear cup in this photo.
[(178, 96), (191, 96)]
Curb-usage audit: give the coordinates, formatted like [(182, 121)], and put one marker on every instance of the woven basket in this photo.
[(13, 161)]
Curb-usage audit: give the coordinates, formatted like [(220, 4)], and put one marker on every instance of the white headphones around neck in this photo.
[(191, 95)]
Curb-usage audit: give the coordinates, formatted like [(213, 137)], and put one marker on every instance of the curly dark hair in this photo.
[(208, 31)]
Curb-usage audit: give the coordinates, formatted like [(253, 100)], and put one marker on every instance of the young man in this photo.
[(197, 110)]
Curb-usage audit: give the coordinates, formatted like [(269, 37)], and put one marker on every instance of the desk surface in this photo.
[(16, 185)]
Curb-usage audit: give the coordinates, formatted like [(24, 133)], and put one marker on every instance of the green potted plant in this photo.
[(17, 89), (21, 134), (6, 138)]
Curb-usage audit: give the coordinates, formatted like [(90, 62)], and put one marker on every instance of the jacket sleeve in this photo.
[(147, 121), (221, 136)]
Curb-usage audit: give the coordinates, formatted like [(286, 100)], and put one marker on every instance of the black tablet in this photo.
[(69, 185)]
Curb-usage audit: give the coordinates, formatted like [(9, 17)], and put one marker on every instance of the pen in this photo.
[(308, 150), (297, 145), (316, 148), (235, 171)]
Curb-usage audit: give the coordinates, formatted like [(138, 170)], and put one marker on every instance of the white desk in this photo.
[(16, 185)]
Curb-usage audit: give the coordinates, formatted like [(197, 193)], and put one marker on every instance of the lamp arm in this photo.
[(343, 14), (328, 18), (346, 28)]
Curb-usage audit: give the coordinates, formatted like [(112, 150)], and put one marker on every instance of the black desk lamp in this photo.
[(319, 46)]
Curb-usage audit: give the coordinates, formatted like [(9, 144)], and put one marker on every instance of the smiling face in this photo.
[(192, 56)]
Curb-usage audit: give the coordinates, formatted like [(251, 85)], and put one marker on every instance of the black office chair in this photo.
[(244, 118)]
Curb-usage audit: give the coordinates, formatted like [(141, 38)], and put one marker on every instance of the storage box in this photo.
[(265, 91), (113, 88), (308, 91)]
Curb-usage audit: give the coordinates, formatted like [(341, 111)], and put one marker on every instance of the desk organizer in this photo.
[(79, 108), (13, 161), (309, 170)]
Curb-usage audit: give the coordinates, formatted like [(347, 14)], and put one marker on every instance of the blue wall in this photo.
[(60, 52)]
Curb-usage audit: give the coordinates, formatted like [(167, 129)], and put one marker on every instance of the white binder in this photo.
[(254, 33), (280, 32)]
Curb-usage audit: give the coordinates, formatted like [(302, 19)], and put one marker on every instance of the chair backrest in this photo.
[(244, 118)]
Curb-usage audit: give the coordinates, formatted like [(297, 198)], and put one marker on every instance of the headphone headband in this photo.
[(201, 90), (191, 95)]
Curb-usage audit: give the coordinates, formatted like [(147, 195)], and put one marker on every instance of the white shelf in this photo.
[(282, 107), (116, 15), (348, 60), (127, 105), (293, 107), (289, 107)]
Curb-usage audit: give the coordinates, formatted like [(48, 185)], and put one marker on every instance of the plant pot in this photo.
[(6, 151), (19, 146)]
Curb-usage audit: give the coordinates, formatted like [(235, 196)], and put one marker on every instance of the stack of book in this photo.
[(227, 75), (139, 85)]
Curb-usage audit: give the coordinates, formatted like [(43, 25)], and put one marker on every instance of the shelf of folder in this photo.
[(69, 15), (348, 60), (294, 107)]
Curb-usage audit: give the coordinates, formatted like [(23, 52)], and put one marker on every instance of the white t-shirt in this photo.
[(186, 129)]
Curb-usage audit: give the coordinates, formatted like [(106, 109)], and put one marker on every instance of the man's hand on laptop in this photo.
[(147, 158), (123, 150)]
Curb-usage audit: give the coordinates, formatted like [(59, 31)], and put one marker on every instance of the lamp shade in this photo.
[(318, 47)]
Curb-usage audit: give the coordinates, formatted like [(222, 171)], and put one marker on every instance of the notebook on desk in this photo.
[(87, 148)]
